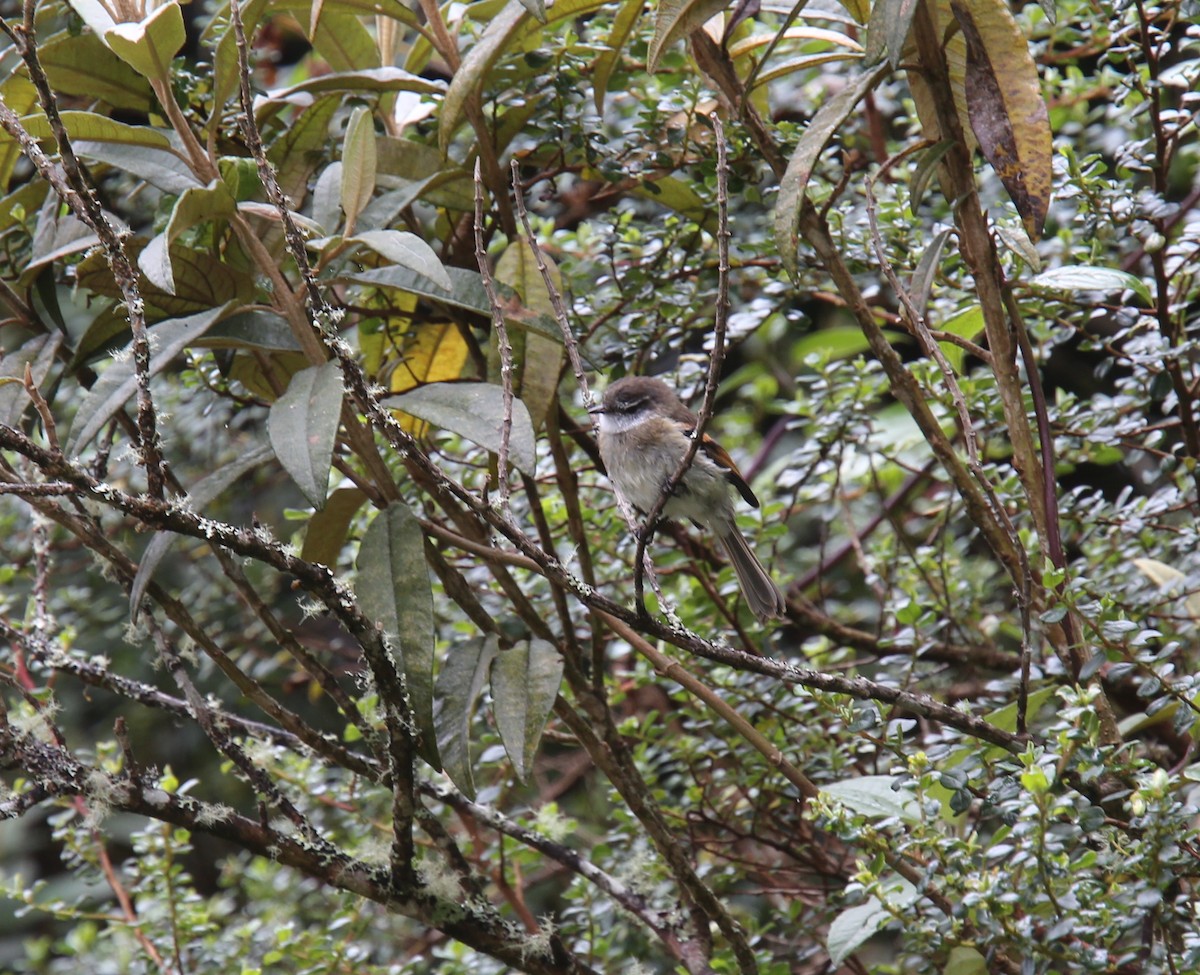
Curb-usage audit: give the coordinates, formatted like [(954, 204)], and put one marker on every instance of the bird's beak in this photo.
[(596, 409)]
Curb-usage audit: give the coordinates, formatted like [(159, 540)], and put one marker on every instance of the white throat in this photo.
[(614, 423)]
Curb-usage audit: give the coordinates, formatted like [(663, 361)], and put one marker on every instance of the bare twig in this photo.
[(502, 343)]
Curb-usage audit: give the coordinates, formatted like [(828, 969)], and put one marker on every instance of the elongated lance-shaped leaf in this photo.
[(328, 528), (195, 205), (458, 685), (1005, 105), (675, 20), (922, 278), (303, 426), (117, 384), (393, 588), (358, 165), (200, 495), (793, 187), (525, 681), (1082, 277)]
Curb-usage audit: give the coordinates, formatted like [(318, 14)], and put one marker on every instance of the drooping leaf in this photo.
[(954, 49), (607, 61), (793, 187), (675, 20), (358, 165), (38, 354), (873, 796), (1082, 277), (1005, 105), (204, 492), (328, 527), (148, 45), (296, 153), (393, 587), (303, 425), (927, 164), (888, 30), (525, 682), (117, 384), (475, 67), (18, 94), (922, 277), (406, 250), (458, 685), (474, 411)]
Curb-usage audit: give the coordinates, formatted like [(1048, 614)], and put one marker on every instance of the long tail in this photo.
[(764, 598)]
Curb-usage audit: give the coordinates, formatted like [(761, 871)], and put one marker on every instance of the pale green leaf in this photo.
[(194, 205), (368, 79), (148, 45), (873, 796), (458, 685), (675, 20), (525, 682), (406, 250), (303, 425), (831, 116), (475, 67), (161, 169), (81, 65), (358, 165), (393, 588), (97, 128), (474, 411), (852, 928), (1083, 277)]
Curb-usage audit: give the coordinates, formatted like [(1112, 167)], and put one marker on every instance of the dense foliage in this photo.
[(326, 646)]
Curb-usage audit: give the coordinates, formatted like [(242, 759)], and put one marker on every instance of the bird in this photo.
[(644, 430)]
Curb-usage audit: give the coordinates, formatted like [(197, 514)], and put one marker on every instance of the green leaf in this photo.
[(921, 284), (458, 685), (1083, 277), (830, 117), (148, 46), (369, 79), (853, 928), (466, 287), (97, 128), (406, 250), (344, 41), (82, 66), (161, 169), (200, 496), (888, 30), (525, 682), (328, 528), (393, 588), (607, 60), (873, 796), (927, 165), (1005, 106), (38, 353), (964, 960), (474, 411), (675, 20), (118, 383), (966, 324), (358, 165), (303, 425), (855, 925), (475, 67), (195, 205)]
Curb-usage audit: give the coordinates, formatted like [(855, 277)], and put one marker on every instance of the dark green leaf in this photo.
[(458, 685), (525, 681), (303, 425)]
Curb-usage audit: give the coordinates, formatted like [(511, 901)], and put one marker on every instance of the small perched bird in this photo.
[(644, 432)]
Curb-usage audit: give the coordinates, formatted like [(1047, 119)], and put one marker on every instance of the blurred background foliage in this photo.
[(929, 847)]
